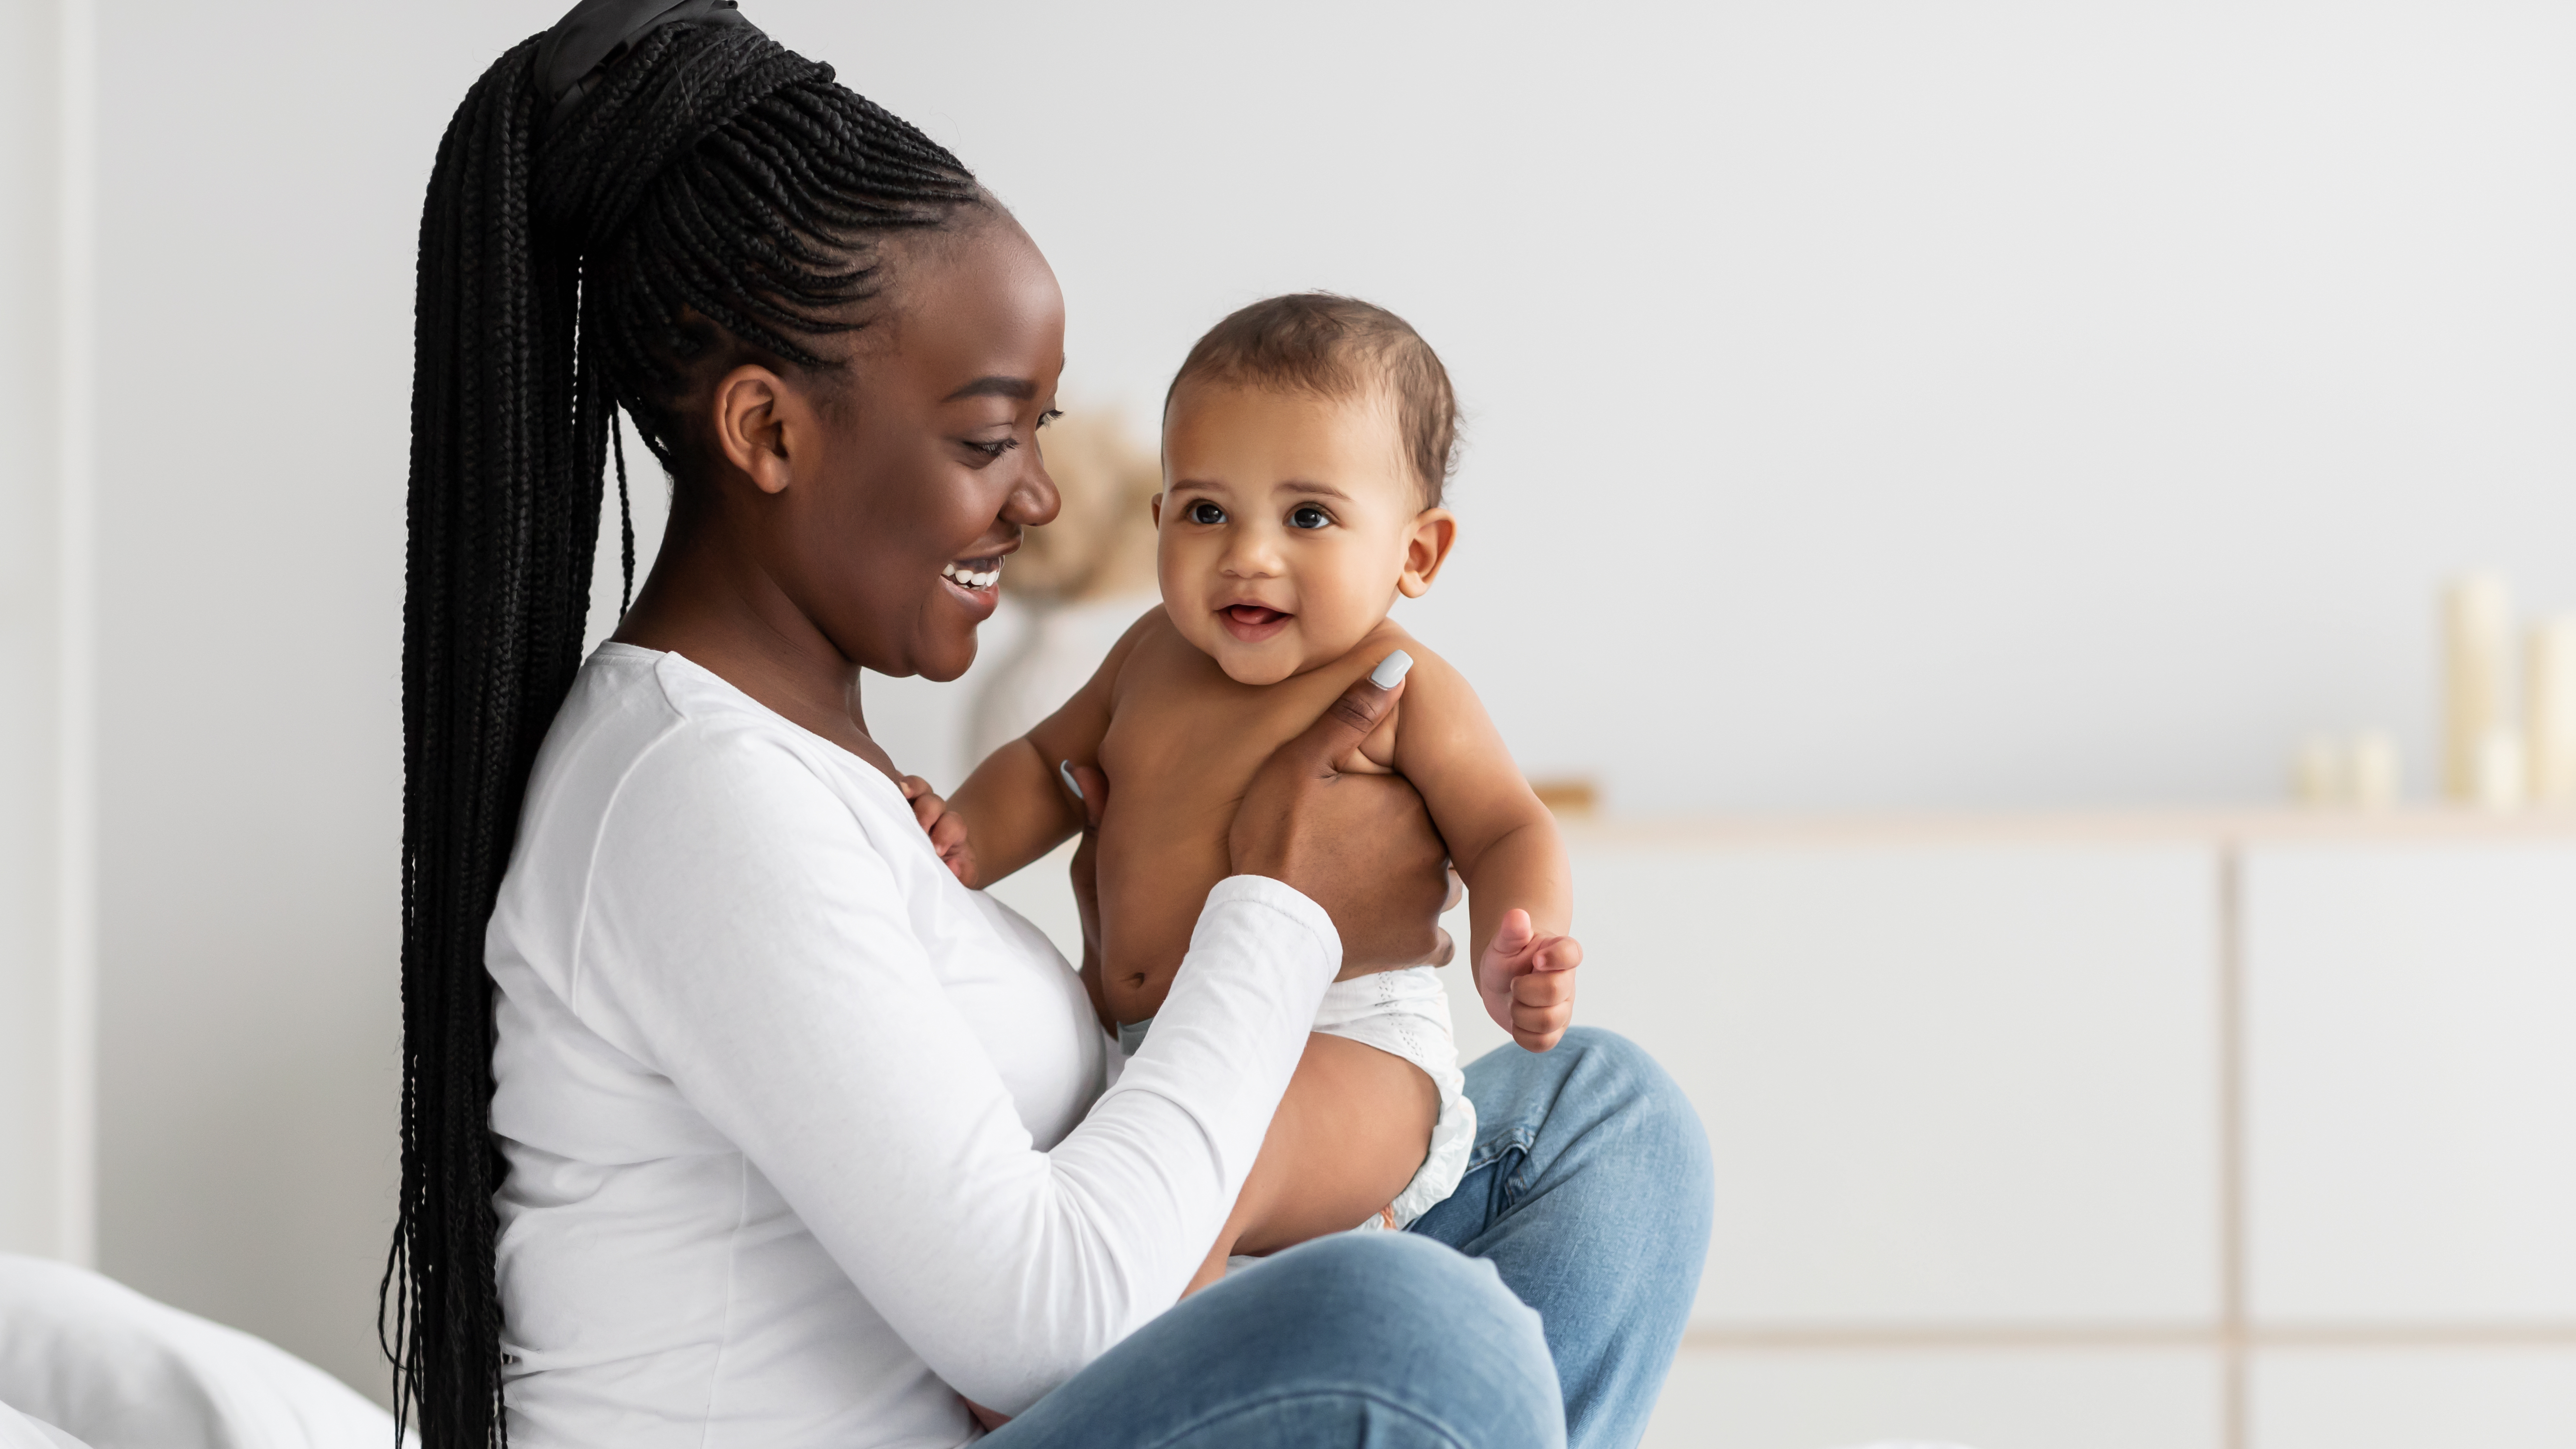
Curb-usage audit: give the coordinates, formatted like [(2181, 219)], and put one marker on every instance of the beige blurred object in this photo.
[(2477, 665), (1574, 797), (2317, 771), (1068, 581), (2549, 710), (2499, 780), (2337, 771), (2371, 776), (1102, 544)]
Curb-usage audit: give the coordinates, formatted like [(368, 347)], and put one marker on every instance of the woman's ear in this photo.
[(755, 416), (1426, 548)]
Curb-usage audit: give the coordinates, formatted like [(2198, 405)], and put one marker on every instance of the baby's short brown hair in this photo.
[(1338, 347)]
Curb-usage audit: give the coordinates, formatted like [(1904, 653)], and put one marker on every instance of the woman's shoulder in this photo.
[(647, 732)]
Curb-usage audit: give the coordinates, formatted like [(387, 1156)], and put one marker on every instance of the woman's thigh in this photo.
[(1589, 1190), (1363, 1339)]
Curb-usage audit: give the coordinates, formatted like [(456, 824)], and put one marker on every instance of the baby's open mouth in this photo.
[(973, 573), (1252, 623)]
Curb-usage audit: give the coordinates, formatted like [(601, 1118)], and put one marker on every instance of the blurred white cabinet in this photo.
[(2244, 1132), (1945, 1083), (2411, 1083)]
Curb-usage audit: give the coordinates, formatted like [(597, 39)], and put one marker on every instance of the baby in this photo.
[(1306, 440)]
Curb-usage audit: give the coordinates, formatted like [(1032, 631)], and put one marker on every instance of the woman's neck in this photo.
[(719, 610)]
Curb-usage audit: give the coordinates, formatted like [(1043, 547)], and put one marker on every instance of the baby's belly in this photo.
[(1158, 860)]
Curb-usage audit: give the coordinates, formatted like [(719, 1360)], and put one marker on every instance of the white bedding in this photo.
[(115, 1370)]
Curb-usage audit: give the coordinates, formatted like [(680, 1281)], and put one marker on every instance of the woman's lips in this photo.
[(1252, 623), (971, 581)]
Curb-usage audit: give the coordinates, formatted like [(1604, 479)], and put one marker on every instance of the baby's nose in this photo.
[(1249, 559)]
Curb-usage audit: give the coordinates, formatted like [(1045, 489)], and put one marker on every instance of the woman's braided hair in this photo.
[(714, 198)]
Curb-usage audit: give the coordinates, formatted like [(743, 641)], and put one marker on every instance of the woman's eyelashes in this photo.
[(994, 448)]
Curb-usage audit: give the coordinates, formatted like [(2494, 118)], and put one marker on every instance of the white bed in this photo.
[(87, 1361)]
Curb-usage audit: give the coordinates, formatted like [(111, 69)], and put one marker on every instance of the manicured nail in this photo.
[(1065, 768), (1390, 670)]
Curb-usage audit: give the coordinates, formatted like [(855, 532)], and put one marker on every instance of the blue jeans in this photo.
[(1540, 1305)]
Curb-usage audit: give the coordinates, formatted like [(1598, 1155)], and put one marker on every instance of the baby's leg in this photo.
[(1346, 1139)]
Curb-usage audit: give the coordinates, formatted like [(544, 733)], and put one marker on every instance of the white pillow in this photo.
[(117, 1370), (17, 1431)]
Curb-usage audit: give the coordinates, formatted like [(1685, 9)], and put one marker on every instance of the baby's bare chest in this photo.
[(1184, 740)]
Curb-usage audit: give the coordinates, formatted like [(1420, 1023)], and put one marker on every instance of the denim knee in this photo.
[(1647, 1109), (1429, 1323)]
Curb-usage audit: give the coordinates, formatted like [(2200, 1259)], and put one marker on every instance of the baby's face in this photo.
[(1288, 524)]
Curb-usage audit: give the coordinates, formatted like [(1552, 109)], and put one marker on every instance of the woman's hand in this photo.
[(1360, 846)]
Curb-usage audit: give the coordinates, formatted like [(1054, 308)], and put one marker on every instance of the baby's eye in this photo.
[(1307, 515), (1206, 512)]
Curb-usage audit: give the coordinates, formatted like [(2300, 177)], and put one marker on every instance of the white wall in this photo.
[(32, 1115), (1875, 404), (260, 180)]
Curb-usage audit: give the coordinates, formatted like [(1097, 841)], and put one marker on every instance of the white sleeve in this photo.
[(743, 938)]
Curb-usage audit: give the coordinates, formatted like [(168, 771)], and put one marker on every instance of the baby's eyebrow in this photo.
[(1320, 490)]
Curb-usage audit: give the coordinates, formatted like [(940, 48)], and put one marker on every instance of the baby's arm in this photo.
[(1504, 844), (1015, 807)]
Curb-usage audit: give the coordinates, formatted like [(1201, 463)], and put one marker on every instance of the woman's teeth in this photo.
[(969, 578)]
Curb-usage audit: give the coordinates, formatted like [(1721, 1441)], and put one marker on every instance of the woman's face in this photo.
[(896, 526)]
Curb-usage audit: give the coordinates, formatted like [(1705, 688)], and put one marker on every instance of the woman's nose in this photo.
[(1034, 500)]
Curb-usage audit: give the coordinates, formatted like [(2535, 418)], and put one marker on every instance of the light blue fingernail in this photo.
[(1065, 769), (1390, 670)]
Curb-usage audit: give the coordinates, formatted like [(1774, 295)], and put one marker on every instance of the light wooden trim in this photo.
[(2176, 827), (2096, 1337)]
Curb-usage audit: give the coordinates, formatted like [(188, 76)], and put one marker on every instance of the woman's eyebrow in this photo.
[(996, 386)]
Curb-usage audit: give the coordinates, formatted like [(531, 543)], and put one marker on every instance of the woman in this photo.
[(728, 1116)]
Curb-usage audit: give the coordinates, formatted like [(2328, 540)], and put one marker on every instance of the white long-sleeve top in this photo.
[(805, 1139)]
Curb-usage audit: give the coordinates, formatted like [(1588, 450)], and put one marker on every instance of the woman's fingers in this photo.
[(1095, 794), (1361, 846), (1350, 719)]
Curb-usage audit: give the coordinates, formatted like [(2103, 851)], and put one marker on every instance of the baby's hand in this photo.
[(1527, 981), (946, 828)]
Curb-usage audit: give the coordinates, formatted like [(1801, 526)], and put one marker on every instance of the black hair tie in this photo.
[(597, 34)]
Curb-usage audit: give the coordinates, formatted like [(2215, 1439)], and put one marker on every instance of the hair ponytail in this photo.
[(503, 522), (711, 192)]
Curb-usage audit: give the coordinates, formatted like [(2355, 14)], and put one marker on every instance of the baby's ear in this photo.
[(1433, 533), (1156, 504)]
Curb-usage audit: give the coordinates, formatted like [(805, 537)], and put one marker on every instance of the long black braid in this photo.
[(714, 196)]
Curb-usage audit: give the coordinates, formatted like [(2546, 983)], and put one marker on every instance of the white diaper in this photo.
[(1406, 1013)]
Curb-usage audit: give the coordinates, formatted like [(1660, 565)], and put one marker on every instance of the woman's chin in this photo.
[(943, 649)]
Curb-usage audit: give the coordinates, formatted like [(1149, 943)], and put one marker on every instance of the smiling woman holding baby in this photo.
[(734, 1113)]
